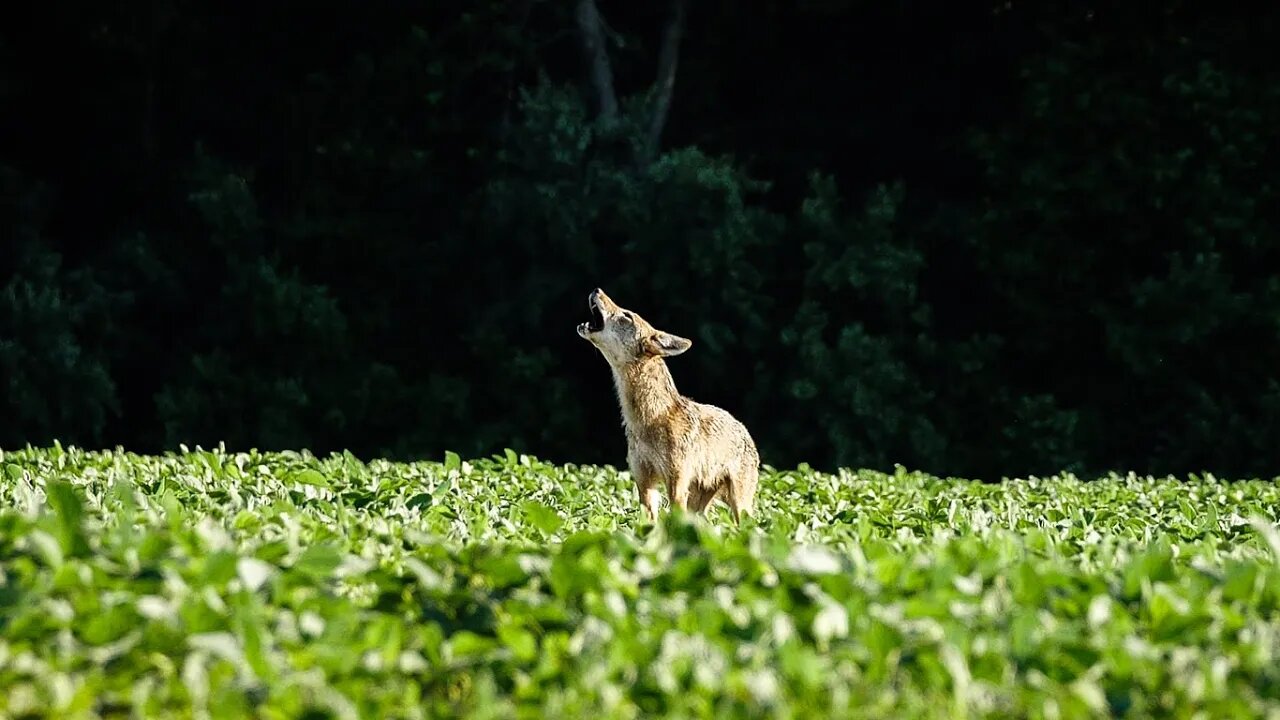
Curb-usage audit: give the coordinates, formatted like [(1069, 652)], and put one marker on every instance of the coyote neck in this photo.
[(646, 392)]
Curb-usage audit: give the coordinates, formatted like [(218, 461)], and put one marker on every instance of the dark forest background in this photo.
[(975, 238)]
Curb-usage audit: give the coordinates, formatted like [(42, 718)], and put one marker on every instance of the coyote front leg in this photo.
[(647, 489), (651, 498), (678, 489)]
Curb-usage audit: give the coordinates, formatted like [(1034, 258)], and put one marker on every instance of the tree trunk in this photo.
[(665, 83), (590, 27)]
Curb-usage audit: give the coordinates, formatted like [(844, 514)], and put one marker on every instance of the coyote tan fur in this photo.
[(698, 452)]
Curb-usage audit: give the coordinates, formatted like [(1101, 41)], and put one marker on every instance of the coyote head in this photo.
[(624, 337)]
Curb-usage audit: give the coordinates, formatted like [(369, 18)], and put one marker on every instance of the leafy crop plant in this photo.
[(280, 585)]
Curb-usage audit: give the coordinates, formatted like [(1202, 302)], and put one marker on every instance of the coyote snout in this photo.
[(698, 452)]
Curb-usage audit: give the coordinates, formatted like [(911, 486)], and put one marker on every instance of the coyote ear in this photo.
[(666, 344)]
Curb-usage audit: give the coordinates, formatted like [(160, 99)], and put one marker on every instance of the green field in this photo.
[(219, 585)]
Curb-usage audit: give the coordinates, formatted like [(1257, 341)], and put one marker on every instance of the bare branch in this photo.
[(591, 28), (666, 80)]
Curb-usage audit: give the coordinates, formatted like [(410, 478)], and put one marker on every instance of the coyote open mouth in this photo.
[(596, 323)]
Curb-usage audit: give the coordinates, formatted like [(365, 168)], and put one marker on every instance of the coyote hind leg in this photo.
[(741, 492)]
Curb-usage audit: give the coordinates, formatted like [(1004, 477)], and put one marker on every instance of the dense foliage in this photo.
[(970, 237), (211, 584)]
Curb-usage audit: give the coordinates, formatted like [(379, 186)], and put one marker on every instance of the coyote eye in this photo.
[(626, 317)]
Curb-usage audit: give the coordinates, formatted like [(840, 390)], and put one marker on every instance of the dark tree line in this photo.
[(975, 238)]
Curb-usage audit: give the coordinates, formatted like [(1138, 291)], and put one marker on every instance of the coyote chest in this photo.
[(698, 452)]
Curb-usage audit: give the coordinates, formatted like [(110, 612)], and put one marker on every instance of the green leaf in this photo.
[(466, 645), (502, 570), (542, 517), (311, 477), (566, 575), (522, 644), (318, 561), (69, 512)]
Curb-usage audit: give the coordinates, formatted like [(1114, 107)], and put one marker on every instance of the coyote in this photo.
[(699, 452)]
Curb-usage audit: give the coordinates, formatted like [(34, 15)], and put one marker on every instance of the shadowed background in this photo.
[(969, 237)]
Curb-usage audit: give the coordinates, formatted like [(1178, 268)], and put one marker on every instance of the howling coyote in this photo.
[(699, 452)]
